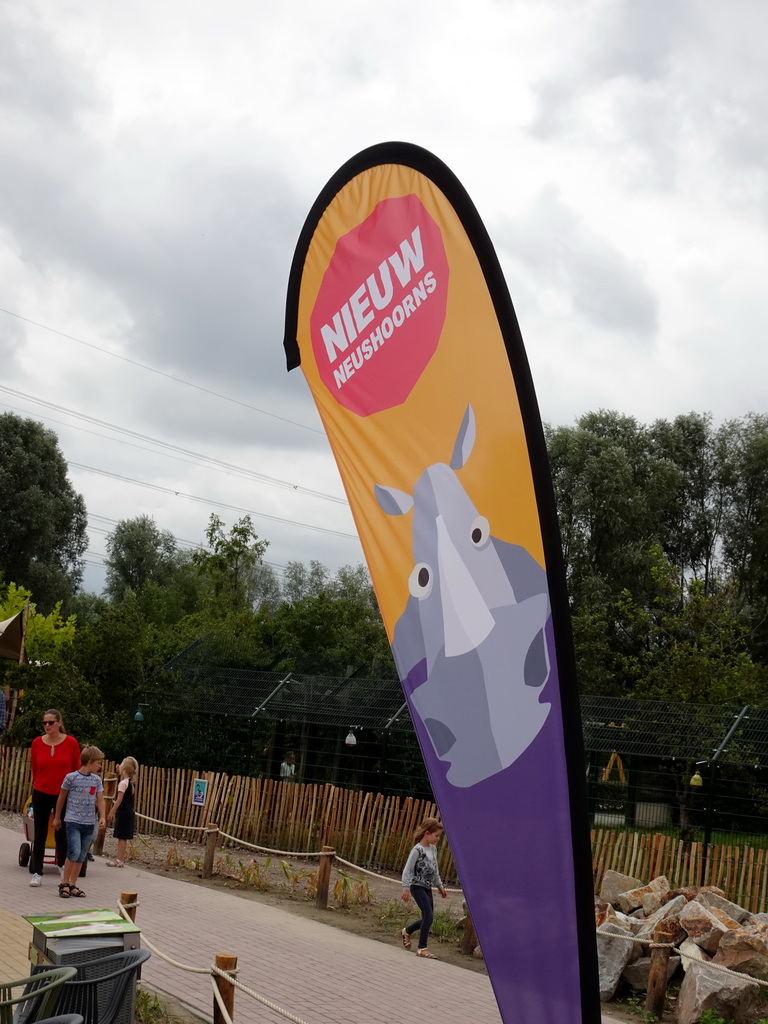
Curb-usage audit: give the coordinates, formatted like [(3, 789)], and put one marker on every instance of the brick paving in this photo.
[(319, 973)]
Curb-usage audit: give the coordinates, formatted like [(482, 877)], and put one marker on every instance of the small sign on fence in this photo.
[(199, 790)]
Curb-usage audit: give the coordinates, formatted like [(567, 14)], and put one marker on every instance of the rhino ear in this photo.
[(392, 501), (465, 441)]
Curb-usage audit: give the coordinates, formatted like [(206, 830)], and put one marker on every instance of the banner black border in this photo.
[(426, 163)]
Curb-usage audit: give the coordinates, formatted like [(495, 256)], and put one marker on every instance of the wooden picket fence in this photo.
[(369, 829), (740, 871), (376, 831)]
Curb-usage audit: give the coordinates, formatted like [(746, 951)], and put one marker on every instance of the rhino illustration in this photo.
[(470, 645)]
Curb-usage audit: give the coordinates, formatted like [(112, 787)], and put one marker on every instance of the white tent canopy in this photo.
[(12, 637)]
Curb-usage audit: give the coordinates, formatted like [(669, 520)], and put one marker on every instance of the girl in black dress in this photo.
[(122, 810)]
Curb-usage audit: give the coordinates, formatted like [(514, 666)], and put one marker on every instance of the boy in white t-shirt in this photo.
[(83, 792)]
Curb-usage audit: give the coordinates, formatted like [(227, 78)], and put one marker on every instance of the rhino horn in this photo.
[(465, 441)]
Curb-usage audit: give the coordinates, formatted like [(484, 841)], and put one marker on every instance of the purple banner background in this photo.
[(513, 853)]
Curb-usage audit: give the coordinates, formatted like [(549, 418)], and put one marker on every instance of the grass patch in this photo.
[(149, 1010)]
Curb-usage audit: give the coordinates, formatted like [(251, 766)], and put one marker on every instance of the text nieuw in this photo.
[(368, 301)]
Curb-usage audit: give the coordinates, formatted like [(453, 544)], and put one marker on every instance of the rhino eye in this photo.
[(480, 531), (420, 580)]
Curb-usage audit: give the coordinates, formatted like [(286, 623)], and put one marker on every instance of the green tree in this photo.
[(44, 519), (117, 652), (137, 553), (695, 653), (49, 637), (301, 580), (58, 685), (745, 532), (692, 517), (230, 566), (336, 628), (86, 608), (611, 493)]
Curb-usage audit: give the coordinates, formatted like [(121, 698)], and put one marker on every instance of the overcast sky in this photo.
[(157, 161)]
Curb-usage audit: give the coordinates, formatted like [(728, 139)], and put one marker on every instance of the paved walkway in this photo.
[(319, 973)]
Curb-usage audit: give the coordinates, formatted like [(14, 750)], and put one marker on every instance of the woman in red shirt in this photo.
[(53, 755)]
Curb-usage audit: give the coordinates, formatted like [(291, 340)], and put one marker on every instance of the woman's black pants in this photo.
[(42, 806)]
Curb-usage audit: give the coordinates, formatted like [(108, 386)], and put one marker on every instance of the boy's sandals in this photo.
[(425, 953), (406, 939), (115, 863), (74, 891), (64, 891)]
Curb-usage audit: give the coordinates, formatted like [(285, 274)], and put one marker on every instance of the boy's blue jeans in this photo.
[(78, 839)]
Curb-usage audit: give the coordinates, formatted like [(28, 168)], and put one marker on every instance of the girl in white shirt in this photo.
[(420, 874)]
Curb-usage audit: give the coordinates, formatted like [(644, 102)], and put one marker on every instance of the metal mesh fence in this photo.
[(697, 771)]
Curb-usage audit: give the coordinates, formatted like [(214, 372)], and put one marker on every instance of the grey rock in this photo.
[(636, 974), (705, 925), (691, 953), (613, 955), (745, 949), (705, 988), (614, 883), (733, 910), (650, 897), (669, 912)]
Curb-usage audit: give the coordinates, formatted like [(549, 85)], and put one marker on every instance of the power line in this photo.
[(179, 540), (213, 462), (211, 501), (236, 471), (103, 557), (160, 373)]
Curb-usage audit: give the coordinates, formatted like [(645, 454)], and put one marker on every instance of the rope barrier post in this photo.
[(469, 938), (327, 856), (665, 931), (210, 849), (110, 784), (225, 962), (128, 898)]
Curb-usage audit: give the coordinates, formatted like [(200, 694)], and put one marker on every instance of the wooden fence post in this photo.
[(128, 898), (210, 849), (327, 857), (110, 784), (224, 962), (665, 931), (469, 938)]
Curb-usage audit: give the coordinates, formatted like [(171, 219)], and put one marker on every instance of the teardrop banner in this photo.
[(400, 318)]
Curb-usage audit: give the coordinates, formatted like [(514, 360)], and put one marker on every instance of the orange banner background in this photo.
[(470, 365)]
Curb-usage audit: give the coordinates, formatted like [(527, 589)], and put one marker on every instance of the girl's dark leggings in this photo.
[(42, 806), (425, 904)]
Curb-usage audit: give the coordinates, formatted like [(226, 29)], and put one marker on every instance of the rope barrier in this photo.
[(279, 853), (212, 970), (670, 945), (171, 824), (374, 874), (266, 849)]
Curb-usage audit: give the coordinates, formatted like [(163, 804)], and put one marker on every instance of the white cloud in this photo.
[(157, 162)]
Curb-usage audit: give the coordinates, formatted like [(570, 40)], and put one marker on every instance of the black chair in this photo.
[(102, 988), (37, 997), (67, 1018)]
